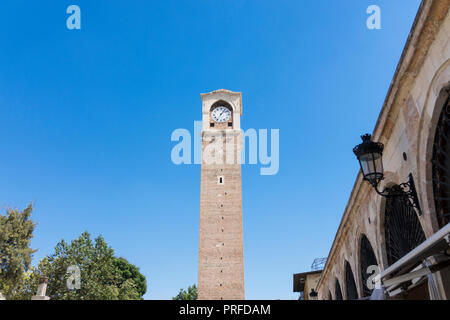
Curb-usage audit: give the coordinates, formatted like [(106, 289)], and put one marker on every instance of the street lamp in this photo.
[(370, 157), (313, 294)]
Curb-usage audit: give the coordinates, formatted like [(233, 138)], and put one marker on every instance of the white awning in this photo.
[(415, 266)]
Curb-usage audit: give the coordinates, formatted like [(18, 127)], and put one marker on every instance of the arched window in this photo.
[(338, 292), (221, 103), (367, 259), (441, 166), (352, 293), (402, 228)]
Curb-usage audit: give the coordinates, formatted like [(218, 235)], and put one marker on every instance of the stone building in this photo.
[(413, 125)]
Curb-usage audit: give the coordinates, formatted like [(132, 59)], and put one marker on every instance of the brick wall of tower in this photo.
[(221, 266)]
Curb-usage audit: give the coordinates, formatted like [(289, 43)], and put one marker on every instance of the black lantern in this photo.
[(313, 294), (370, 157)]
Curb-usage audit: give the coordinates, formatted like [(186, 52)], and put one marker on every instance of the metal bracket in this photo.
[(412, 195), (406, 189)]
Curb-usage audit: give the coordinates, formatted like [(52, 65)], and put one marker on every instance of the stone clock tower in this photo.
[(221, 258)]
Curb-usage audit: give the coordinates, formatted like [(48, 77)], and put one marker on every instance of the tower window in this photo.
[(230, 124), (211, 124), (220, 180)]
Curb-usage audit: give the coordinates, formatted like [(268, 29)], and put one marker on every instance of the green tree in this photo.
[(103, 276), (16, 231), (127, 271), (190, 294)]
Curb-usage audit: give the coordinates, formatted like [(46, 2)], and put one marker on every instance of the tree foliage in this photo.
[(102, 275), (16, 231), (190, 294), (128, 271)]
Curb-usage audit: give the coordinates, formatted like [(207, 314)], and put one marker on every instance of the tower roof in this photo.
[(220, 93)]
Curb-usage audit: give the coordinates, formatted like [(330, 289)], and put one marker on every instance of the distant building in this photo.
[(306, 284)]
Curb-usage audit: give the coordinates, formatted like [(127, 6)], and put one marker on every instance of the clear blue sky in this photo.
[(86, 118)]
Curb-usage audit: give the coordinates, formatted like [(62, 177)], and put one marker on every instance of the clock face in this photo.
[(221, 114)]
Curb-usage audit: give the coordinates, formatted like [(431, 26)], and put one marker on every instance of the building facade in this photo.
[(306, 284), (221, 258), (414, 127)]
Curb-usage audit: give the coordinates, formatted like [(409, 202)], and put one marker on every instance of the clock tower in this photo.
[(221, 258)]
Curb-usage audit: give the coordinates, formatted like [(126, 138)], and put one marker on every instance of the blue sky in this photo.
[(86, 118)]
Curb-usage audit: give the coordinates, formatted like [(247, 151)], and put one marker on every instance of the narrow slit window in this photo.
[(220, 180)]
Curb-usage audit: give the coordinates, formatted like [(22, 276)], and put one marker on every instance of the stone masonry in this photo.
[(406, 126), (221, 259)]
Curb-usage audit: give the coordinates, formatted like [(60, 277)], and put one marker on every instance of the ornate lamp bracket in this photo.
[(406, 189)]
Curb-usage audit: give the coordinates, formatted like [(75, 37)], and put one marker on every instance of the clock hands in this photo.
[(221, 114)]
